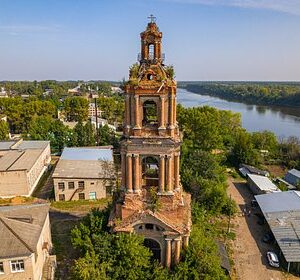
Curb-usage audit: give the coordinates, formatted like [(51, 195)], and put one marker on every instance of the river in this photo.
[(283, 121)]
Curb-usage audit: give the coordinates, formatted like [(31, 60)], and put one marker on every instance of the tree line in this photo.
[(259, 93)]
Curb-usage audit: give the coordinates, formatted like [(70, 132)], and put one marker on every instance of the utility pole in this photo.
[(228, 228), (96, 112)]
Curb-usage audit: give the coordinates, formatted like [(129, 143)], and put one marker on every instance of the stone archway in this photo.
[(154, 247)]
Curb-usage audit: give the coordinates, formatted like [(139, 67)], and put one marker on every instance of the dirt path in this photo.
[(248, 250)]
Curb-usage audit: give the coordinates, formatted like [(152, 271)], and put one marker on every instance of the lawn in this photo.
[(80, 205)]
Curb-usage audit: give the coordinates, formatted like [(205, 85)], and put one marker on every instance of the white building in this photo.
[(261, 184), (22, 164)]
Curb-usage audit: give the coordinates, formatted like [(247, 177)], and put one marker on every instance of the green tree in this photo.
[(76, 108), (4, 130)]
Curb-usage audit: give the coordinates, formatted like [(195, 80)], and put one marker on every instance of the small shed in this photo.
[(261, 184), (293, 177), (248, 169)]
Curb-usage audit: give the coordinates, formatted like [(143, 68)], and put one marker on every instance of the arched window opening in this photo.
[(150, 77), (150, 168), (151, 51), (154, 247), (150, 117)]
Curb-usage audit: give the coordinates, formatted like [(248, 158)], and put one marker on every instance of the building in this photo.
[(26, 243), (261, 184), (3, 93), (22, 164), (293, 177), (84, 173), (248, 169), (282, 213), (150, 156), (93, 110)]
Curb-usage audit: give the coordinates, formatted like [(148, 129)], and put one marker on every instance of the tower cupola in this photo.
[(151, 38)]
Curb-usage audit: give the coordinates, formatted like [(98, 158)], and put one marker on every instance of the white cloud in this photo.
[(284, 6)]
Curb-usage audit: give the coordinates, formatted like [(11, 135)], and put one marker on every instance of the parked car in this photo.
[(272, 259), (268, 238)]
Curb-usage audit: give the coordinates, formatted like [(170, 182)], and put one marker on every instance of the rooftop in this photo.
[(20, 229), (89, 163), (263, 183), (88, 153), (20, 155), (23, 145), (294, 172), (282, 212)]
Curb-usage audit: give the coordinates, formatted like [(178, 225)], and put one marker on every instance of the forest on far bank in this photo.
[(258, 93)]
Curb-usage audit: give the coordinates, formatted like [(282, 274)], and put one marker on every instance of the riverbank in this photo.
[(253, 93), (283, 121)]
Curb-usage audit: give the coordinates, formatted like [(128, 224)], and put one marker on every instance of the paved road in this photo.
[(248, 250)]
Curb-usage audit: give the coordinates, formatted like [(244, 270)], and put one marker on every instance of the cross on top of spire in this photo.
[(152, 18)]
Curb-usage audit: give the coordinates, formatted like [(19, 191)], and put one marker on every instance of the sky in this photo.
[(252, 40)]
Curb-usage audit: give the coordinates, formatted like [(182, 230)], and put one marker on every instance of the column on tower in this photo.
[(162, 111), (136, 173), (127, 110), (123, 170), (174, 110), (168, 252), (170, 113), (176, 171), (177, 250), (162, 174), (169, 187), (137, 112), (129, 172)]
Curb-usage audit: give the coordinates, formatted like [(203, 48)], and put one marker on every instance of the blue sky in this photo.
[(99, 39)]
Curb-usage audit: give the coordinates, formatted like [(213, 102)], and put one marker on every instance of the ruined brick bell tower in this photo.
[(151, 201)]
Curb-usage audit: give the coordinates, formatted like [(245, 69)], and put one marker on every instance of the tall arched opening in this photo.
[(150, 113), (150, 171), (154, 247)]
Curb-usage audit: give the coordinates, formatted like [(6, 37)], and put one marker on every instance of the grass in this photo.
[(80, 205), (16, 200), (65, 254), (42, 182)]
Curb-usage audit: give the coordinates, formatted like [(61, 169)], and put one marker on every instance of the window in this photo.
[(150, 114), (81, 196), (1, 268), (81, 184), (93, 195), (61, 197), (149, 226), (92, 183), (71, 185), (17, 266), (151, 51), (61, 185)]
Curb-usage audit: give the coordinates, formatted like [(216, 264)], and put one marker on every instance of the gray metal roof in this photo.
[(279, 201), (295, 172), (282, 212), (12, 160), (263, 183), (23, 145), (20, 228), (88, 153)]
